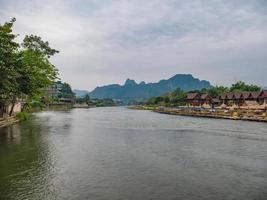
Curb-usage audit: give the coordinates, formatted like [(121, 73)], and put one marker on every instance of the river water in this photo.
[(121, 154)]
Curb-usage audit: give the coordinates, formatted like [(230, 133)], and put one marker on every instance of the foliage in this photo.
[(66, 91), (8, 60), (22, 116), (25, 71), (86, 99), (241, 86), (103, 102), (178, 97)]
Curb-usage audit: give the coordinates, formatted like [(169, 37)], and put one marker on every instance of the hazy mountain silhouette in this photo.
[(132, 90)]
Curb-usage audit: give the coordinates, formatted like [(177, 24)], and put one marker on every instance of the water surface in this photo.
[(116, 153)]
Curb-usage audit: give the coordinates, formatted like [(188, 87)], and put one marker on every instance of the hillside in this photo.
[(132, 90), (80, 93)]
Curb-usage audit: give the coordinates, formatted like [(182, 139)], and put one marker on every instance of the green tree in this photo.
[(240, 86), (27, 71), (217, 91), (8, 62), (66, 91), (87, 99)]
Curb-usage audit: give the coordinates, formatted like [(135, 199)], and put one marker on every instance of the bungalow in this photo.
[(193, 99), (222, 99), (244, 98), (262, 98), (206, 100), (215, 102), (229, 98), (237, 99)]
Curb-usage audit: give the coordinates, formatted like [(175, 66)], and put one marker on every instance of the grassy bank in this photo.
[(58, 107)]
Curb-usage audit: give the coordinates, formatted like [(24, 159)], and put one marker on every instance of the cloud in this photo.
[(106, 41)]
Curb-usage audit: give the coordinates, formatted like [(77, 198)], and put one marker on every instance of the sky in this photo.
[(107, 41)]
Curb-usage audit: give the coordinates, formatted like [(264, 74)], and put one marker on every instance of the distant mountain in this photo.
[(132, 90), (80, 93)]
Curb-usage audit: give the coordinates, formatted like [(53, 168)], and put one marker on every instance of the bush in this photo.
[(22, 116)]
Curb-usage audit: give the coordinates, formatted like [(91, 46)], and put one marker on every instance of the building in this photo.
[(205, 100), (244, 98), (193, 99), (262, 97), (231, 99), (54, 90)]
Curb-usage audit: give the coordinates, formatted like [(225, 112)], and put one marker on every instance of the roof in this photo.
[(222, 96), (192, 96), (237, 95), (205, 96), (263, 94), (255, 95), (215, 100), (245, 95), (229, 95)]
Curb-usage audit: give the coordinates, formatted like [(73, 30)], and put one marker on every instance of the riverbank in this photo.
[(23, 116), (233, 114), (7, 121)]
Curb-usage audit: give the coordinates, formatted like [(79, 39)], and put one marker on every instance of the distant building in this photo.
[(193, 99), (55, 90), (244, 98), (238, 99)]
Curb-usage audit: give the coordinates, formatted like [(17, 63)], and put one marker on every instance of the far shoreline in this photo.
[(235, 114)]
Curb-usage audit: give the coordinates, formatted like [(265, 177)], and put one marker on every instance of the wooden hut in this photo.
[(193, 99)]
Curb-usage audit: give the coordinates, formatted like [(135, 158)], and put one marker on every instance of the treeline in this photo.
[(95, 102), (178, 97), (25, 69)]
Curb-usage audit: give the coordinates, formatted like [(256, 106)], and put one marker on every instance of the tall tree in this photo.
[(8, 62), (25, 72)]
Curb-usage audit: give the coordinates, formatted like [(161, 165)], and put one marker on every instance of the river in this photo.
[(121, 154)]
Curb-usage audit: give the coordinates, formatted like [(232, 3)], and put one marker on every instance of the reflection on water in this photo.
[(11, 134), (115, 153)]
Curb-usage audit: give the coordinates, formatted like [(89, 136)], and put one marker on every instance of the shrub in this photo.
[(22, 116)]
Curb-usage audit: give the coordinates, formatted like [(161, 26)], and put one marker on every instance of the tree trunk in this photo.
[(1, 110), (12, 107)]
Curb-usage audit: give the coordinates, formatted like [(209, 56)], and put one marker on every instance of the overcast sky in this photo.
[(107, 41)]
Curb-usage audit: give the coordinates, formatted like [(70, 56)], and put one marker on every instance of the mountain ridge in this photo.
[(133, 90)]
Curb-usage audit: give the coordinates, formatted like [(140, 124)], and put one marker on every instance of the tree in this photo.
[(25, 72), (8, 61), (66, 91), (217, 91), (87, 99), (240, 86)]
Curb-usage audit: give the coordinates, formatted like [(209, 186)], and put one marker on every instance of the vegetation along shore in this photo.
[(239, 102)]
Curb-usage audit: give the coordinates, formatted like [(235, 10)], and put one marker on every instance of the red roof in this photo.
[(237, 95), (245, 95), (255, 95), (205, 96), (230, 96), (192, 96), (263, 94)]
